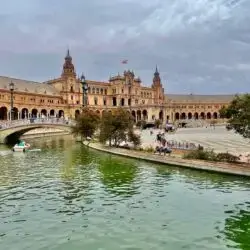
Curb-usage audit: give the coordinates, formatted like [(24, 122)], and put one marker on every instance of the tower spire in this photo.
[(68, 66)]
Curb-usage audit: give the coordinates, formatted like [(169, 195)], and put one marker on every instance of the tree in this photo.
[(134, 138), (238, 113), (116, 127), (86, 124)]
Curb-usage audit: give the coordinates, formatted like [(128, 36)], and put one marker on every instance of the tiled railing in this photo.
[(51, 121)]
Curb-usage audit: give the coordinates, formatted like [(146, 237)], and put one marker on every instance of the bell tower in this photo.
[(70, 84), (158, 89), (68, 67)]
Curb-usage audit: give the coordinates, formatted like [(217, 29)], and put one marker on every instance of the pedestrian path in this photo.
[(218, 139)]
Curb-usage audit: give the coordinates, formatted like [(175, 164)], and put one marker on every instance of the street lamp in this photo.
[(84, 91), (11, 86)]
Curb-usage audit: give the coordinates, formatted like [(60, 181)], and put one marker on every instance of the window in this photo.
[(96, 101), (114, 101), (72, 98), (129, 102), (93, 90), (105, 91), (129, 90), (104, 101), (114, 91), (71, 89), (97, 91), (136, 101), (101, 91)]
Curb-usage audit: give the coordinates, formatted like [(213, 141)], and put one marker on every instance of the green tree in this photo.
[(116, 127), (134, 138), (238, 113), (86, 124)]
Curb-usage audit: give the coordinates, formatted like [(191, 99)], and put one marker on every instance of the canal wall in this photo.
[(218, 167), (43, 132)]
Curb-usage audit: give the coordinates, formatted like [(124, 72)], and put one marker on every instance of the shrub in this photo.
[(227, 157), (207, 155), (149, 149), (134, 138), (210, 155)]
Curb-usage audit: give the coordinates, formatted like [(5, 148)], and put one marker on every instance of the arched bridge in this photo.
[(10, 131)]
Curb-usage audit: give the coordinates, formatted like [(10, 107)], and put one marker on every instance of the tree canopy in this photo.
[(86, 123), (118, 127), (238, 113)]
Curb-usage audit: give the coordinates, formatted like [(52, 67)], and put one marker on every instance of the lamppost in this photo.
[(11, 86), (84, 91)]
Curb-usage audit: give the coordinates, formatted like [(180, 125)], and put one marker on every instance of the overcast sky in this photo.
[(200, 46)]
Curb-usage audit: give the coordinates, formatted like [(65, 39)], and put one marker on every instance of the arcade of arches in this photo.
[(25, 113), (138, 115)]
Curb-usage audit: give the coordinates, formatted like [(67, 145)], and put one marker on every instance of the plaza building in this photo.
[(63, 97)]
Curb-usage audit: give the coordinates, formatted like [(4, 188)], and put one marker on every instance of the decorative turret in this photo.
[(68, 66), (157, 78), (157, 86)]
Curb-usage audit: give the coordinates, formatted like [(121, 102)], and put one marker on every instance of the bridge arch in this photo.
[(11, 135)]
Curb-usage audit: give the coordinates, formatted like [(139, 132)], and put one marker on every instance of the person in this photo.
[(158, 137)]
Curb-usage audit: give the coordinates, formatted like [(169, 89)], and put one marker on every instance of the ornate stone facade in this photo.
[(63, 97)]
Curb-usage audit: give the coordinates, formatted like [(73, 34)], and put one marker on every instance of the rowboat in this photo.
[(21, 147)]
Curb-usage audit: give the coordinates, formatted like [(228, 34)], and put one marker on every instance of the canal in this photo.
[(67, 196)]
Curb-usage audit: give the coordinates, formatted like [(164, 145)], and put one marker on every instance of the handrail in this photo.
[(32, 121)]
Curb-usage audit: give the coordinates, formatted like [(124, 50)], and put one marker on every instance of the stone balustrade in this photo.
[(49, 121)]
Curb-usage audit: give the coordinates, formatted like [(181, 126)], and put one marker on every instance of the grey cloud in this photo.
[(199, 45)]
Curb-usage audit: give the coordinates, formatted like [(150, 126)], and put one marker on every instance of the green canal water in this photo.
[(69, 197)]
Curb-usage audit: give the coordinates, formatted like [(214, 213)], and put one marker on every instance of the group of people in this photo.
[(162, 146)]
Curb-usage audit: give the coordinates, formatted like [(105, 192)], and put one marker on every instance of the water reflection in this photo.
[(105, 198), (237, 226), (118, 175)]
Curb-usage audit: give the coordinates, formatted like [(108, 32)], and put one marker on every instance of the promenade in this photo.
[(218, 139)]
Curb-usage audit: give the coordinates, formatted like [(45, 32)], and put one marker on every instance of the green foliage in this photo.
[(238, 113), (117, 127), (134, 138), (149, 149), (86, 124), (227, 157), (210, 155), (207, 155), (158, 123)]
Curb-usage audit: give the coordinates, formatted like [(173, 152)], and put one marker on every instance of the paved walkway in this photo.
[(235, 169), (218, 139)]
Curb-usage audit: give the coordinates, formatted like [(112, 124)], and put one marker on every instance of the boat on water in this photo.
[(21, 146)]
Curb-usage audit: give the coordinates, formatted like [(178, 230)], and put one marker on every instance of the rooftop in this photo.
[(27, 86)]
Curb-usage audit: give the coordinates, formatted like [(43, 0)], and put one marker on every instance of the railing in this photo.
[(49, 121)]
